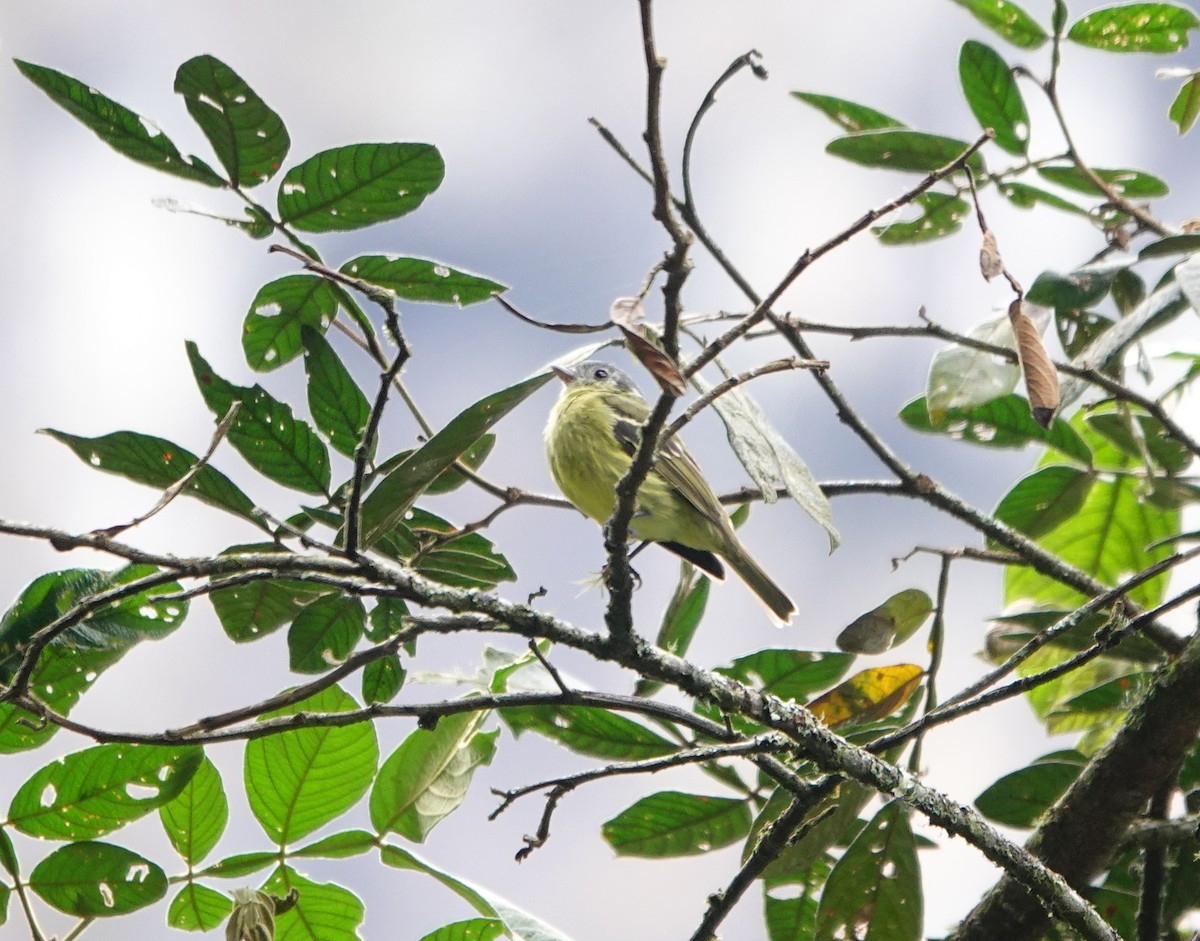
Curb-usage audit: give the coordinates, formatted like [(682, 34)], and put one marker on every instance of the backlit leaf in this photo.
[(888, 624), (97, 880), (671, 823), (868, 695), (1019, 799), (1007, 19), (848, 115), (1135, 27)]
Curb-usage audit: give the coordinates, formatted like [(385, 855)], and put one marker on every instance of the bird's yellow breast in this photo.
[(587, 463)]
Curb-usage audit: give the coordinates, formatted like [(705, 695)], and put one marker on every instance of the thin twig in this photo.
[(176, 488)]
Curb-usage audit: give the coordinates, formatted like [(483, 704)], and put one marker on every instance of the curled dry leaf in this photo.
[(629, 315), (990, 263), (1041, 378)]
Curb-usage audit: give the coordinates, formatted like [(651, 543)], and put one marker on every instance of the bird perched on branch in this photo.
[(593, 433)]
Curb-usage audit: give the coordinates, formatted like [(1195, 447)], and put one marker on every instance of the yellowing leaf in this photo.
[(869, 695)]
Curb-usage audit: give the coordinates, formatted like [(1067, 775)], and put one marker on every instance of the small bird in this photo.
[(593, 432)]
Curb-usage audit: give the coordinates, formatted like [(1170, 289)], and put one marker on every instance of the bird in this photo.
[(592, 434)]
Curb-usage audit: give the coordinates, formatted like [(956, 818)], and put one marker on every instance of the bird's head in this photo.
[(593, 373)]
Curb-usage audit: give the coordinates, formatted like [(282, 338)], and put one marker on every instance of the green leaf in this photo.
[(323, 911), (248, 137), (125, 131), (426, 778), (993, 96), (1186, 106), (419, 279), (358, 185), (390, 499), (1038, 503), (1078, 328), (61, 677), (1128, 289), (1008, 20), (339, 845), (671, 823), (158, 463), (888, 624), (939, 215), (1135, 27), (339, 407), (680, 619), (1108, 537), (901, 149), (1026, 197), (279, 313), (97, 880), (452, 478), (8, 855), (198, 908), (1019, 798), (195, 818), (1136, 184), (1185, 244), (98, 790), (1005, 422), (1152, 436), (382, 679), (279, 446), (475, 929), (387, 619), (592, 732), (299, 780), (789, 674), (117, 626), (242, 864), (850, 116), (1081, 288), (426, 543), (254, 609), (874, 890), (324, 633)]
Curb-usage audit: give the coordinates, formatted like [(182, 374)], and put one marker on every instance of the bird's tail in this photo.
[(770, 594)]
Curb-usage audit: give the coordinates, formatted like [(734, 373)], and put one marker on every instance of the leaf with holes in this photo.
[(273, 441), (279, 313), (850, 116), (97, 880), (874, 889), (339, 407), (125, 131), (993, 96), (358, 185), (96, 791), (1007, 19), (1005, 422), (1135, 27), (938, 215), (195, 818), (324, 633), (419, 279), (158, 463), (247, 136)]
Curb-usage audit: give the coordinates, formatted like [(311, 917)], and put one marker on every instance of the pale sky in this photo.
[(102, 289)]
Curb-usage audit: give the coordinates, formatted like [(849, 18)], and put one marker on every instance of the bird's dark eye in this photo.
[(601, 373)]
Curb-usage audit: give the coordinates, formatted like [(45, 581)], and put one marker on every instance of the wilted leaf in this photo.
[(1041, 376), (868, 695), (629, 315)]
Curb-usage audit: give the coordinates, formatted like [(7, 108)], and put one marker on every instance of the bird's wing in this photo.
[(675, 465)]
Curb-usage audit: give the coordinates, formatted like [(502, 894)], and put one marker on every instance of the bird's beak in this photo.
[(564, 374)]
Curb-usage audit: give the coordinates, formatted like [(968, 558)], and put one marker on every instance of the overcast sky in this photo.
[(102, 289)]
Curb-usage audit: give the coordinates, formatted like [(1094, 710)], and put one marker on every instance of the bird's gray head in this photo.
[(596, 373)]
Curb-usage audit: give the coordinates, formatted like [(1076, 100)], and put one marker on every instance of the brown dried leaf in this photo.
[(1041, 378), (629, 315), (990, 263)]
